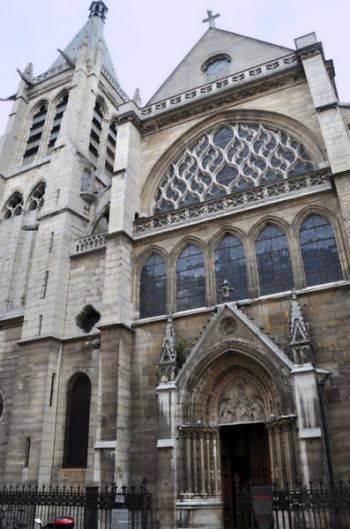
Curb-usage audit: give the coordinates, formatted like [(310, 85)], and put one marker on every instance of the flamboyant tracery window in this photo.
[(319, 251), (230, 265), (153, 291), (36, 200), (273, 261), (14, 206), (230, 158), (190, 279)]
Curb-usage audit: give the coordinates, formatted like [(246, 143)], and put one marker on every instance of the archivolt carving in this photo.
[(230, 158)]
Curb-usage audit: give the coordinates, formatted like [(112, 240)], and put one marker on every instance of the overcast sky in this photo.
[(148, 38)]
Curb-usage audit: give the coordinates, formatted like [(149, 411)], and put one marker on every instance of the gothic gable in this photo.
[(217, 54)]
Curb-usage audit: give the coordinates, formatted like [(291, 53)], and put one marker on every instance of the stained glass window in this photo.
[(77, 423), (319, 251), (153, 287), (230, 265), (230, 158), (190, 279), (273, 261)]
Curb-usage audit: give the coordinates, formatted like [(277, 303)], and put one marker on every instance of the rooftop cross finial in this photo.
[(98, 9), (211, 18)]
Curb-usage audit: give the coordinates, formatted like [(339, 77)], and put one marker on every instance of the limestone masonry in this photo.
[(174, 305)]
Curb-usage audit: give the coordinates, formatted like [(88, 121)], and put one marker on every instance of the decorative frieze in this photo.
[(316, 181)]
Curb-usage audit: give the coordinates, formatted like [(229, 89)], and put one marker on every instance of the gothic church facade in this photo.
[(174, 277)]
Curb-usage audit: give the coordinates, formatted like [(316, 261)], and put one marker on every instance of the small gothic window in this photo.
[(110, 147), (36, 200), (190, 279), (153, 287), (35, 133), (77, 423), (230, 265), (319, 251), (96, 129), (57, 120), (14, 206), (273, 261)]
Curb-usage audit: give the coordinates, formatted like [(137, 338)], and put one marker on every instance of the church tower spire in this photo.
[(98, 9)]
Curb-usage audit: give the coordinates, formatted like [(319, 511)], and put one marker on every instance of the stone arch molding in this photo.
[(292, 136), (234, 374)]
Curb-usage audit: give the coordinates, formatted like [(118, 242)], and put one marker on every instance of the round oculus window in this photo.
[(217, 64)]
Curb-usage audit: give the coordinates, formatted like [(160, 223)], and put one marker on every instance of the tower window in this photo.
[(36, 200), (57, 120), (319, 251), (190, 279), (35, 134), (96, 129), (110, 147), (153, 289), (273, 261), (14, 206)]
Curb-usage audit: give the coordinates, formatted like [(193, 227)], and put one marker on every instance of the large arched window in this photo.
[(319, 251), (230, 265), (273, 261), (190, 279), (153, 291), (77, 423), (227, 159)]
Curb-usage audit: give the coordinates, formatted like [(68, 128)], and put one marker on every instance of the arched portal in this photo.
[(235, 420)]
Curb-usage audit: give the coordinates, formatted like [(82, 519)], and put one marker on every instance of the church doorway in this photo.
[(244, 453)]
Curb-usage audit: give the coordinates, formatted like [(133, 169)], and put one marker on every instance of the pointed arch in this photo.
[(36, 197), (319, 251), (61, 105), (36, 131), (77, 422), (153, 286), (190, 278), (13, 206), (273, 260), (230, 265)]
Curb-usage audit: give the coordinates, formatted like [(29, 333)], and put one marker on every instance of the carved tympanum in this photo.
[(240, 402)]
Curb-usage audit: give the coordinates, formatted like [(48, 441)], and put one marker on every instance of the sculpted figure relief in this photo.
[(240, 403)]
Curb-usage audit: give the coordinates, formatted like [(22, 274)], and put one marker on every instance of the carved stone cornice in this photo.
[(310, 51)]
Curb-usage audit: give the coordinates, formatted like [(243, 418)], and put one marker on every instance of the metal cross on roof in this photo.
[(211, 18)]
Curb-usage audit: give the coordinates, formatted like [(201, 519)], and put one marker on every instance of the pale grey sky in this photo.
[(147, 39)]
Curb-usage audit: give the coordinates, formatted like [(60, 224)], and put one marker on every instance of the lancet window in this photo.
[(230, 265), (35, 133), (319, 251), (96, 129), (190, 279), (57, 120), (110, 147), (14, 206), (230, 158), (36, 200), (273, 261), (153, 287), (77, 423)]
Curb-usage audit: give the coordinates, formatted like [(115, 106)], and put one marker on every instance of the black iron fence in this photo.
[(316, 506), (91, 508)]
